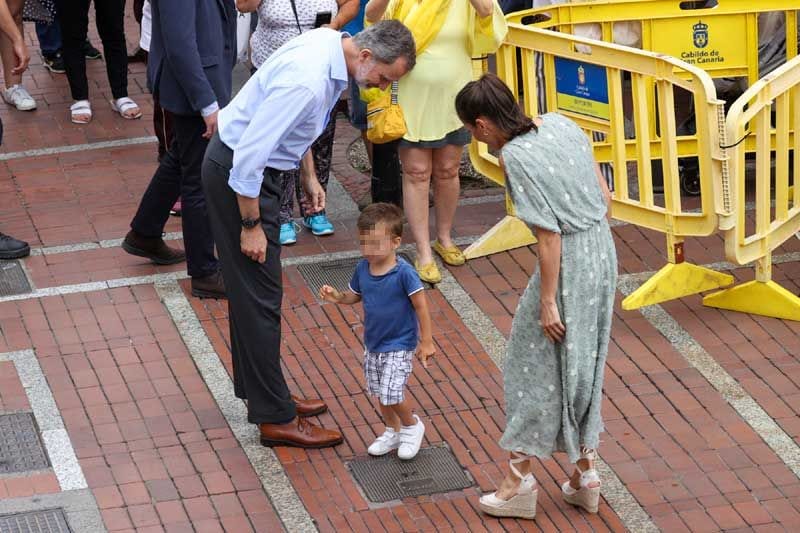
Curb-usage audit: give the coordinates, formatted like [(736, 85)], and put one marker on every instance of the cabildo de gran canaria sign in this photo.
[(713, 43)]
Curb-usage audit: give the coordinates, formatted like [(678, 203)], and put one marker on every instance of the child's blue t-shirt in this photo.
[(390, 321)]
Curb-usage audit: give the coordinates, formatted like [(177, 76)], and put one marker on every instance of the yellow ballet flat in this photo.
[(428, 273), (452, 256)]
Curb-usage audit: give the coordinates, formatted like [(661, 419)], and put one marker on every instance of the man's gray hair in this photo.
[(388, 40)]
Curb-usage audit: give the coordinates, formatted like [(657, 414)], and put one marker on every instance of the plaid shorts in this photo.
[(387, 374)]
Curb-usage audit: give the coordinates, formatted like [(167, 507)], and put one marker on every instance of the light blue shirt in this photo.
[(283, 107)]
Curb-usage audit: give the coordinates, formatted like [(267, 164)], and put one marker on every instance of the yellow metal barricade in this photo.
[(768, 114), (588, 87)]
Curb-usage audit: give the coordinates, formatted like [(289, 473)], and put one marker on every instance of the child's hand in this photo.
[(329, 294), (425, 350)]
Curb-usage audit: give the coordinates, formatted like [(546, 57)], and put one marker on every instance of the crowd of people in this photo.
[(237, 163)]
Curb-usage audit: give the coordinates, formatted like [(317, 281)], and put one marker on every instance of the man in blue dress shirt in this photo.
[(267, 128)]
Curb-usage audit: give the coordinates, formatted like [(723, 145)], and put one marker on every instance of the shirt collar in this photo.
[(338, 63)]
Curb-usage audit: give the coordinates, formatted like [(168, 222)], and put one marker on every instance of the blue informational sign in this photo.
[(582, 88)]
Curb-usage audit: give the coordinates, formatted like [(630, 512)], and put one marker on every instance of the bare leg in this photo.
[(403, 412), (7, 47), (417, 166), (390, 418), (446, 189)]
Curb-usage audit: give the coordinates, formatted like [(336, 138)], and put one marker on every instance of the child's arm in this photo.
[(426, 348), (329, 294)]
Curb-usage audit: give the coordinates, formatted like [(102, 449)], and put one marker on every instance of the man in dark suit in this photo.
[(192, 54)]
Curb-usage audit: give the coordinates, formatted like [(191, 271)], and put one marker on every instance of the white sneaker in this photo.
[(390, 440), (20, 98), (411, 439)]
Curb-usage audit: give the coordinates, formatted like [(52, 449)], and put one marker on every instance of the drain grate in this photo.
[(336, 273), (388, 478), (49, 521), (21, 447), (13, 279)]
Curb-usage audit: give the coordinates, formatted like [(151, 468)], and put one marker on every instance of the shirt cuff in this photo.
[(246, 188), (210, 109)]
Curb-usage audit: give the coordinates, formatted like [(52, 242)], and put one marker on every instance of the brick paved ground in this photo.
[(158, 454)]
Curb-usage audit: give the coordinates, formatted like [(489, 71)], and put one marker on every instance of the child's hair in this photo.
[(490, 97), (389, 214)]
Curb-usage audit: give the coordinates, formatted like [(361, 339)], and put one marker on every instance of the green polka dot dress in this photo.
[(554, 391)]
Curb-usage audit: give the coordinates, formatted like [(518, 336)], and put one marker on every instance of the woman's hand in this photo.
[(551, 321), (22, 55), (484, 8)]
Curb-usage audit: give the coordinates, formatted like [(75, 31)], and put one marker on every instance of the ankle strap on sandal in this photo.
[(518, 458)]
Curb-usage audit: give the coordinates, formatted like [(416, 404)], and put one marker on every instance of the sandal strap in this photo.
[(124, 104), (589, 476), (588, 453), (80, 105), (518, 458)]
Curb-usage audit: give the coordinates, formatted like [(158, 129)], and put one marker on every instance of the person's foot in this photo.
[(211, 286), (152, 248), (299, 433), (387, 441), (309, 407), (54, 63), (139, 56), (19, 97), (90, 51), (288, 234), (319, 224), (411, 439), (176, 209), (11, 248)]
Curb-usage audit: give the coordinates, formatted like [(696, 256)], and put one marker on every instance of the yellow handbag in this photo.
[(385, 121)]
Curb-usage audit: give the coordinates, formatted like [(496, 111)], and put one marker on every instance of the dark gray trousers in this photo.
[(254, 290)]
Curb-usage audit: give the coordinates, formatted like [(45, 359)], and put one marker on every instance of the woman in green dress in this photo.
[(553, 369)]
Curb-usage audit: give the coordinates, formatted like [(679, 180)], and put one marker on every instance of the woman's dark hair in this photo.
[(491, 98)]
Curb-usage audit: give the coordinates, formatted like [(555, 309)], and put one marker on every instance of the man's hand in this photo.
[(425, 350), (329, 294), (315, 194), (23, 57), (254, 243), (211, 124)]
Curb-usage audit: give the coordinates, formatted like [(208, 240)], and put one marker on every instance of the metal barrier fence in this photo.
[(584, 80), (768, 115)]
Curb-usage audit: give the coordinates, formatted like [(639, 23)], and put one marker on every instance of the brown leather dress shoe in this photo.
[(153, 248), (309, 407), (299, 433), (211, 286)]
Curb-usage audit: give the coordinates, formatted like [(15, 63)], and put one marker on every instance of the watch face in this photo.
[(249, 222)]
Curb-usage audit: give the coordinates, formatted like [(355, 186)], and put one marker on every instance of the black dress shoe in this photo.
[(11, 248), (153, 248), (139, 56), (211, 286)]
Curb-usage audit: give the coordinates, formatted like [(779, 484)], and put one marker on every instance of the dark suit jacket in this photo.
[(192, 53)]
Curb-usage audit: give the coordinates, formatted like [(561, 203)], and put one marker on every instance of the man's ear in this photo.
[(365, 54)]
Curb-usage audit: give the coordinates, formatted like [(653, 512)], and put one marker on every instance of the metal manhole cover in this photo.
[(21, 447), (388, 478), (49, 521), (336, 273), (13, 279)]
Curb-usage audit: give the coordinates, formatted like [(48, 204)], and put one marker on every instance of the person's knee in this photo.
[(416, 173), (446, 170)]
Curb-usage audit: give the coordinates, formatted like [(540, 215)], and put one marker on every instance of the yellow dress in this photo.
[(428, 93)]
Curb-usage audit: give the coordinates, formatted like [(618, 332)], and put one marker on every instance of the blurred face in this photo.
[(372, 73), (377, 243)]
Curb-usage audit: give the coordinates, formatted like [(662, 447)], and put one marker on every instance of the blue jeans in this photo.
[(49, 37)]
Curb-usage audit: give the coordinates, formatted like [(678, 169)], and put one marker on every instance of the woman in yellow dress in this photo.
[(446, 33)]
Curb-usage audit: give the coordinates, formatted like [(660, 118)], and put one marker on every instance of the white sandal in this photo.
[(522, 504), (124, 104), (80, 107), (587, 497)]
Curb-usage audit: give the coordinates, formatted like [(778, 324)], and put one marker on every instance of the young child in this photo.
[(394, 305)]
